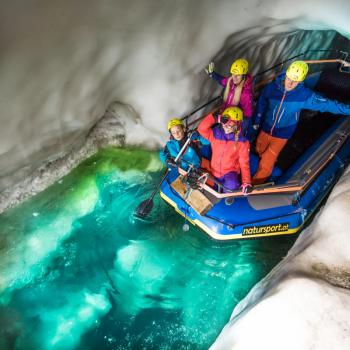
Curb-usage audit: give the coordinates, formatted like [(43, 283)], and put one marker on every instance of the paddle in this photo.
[(145, 207)]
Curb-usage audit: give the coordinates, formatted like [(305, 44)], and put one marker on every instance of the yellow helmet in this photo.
[(297, 71), (239, 67), (234, 113), (174, 122)]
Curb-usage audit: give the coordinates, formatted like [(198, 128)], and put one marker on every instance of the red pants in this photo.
[(268, 147)]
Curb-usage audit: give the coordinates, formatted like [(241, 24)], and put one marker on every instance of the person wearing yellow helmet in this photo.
[(175, 122), (178, 137), (297, 71), (277, 114), (230, 149), (176, 128), (238, 87)]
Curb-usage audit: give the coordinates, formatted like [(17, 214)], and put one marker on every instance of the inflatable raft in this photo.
[(308, 168)]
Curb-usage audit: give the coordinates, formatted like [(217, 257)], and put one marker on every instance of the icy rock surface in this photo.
[(64, 63), (108, 131)]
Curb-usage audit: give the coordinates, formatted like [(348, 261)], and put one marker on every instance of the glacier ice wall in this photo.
[(63, 63)]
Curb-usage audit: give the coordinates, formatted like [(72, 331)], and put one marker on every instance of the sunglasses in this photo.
[(227, 121), (224, 120)]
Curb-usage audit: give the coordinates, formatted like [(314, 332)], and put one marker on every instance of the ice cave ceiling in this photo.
[(63, 63)]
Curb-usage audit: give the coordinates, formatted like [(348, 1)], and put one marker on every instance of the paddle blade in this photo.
[(144, 208)]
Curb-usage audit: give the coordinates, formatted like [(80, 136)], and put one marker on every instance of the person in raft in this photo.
[(178, 137), (278, 111), (230, 149), (238, 88)]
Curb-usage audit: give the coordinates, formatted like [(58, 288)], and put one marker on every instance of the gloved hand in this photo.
[(210, 68), (192, 178), (246, 188), (216, 114), (170, 162), (252, 132)]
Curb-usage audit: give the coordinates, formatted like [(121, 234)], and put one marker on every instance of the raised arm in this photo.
[(217, 77), (204, 128)]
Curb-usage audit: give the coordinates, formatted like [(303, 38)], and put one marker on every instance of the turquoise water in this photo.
[(77, 271)]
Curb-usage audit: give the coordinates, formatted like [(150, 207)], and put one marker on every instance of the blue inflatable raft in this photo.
[(308, 168), (279, 207)]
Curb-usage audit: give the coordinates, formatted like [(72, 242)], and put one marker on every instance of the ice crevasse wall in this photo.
[(63, 64)]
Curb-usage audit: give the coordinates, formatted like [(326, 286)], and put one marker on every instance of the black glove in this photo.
[(192, 178), (246, 188), (252, 132), (216, 115), (170, 162)]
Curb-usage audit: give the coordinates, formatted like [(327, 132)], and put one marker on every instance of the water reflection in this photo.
[(84, 274)]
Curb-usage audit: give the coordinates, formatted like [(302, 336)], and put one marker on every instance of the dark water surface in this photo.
[(77, 271)]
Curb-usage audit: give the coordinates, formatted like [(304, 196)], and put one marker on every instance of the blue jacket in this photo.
[(278, 110), (192, 154)]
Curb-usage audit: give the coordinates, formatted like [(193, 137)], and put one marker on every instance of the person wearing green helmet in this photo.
[(277, 114), (238, 88), (178, 136)]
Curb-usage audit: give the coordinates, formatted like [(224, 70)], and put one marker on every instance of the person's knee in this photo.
[(273, 153), (233, 185), (231, 182), (266, 169), (262, 142), (230, 187), (270, 156), (258, 149)]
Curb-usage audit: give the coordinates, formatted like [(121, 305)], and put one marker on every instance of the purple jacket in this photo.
[(246, 101)]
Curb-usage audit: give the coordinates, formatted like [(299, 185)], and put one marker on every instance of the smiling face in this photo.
[(290, 84), (230, 126), (237, 78), (177, 132)]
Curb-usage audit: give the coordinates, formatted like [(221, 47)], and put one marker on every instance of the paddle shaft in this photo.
[(146, 206), (182, 150)]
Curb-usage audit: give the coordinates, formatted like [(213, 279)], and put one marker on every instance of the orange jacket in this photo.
[(227, 154)]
